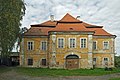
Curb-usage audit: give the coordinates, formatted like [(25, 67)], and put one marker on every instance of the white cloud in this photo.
[(100, 12)]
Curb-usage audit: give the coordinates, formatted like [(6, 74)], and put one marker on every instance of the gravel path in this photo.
[(12, 75)]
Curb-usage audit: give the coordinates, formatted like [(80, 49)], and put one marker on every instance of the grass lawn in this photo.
[(4, 69), (63, 72), (114, 79)]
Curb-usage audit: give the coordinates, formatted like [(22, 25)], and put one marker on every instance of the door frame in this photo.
[(73, 58)]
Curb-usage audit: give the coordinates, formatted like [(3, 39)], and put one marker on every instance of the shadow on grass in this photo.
[(4, 69)]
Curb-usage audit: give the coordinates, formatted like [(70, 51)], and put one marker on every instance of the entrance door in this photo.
[(72, 62)]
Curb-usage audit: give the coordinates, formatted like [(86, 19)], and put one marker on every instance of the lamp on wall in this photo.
[(72, 53)]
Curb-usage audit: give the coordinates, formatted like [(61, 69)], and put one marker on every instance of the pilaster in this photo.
[(90, 58), (22, 55), (53, 59)]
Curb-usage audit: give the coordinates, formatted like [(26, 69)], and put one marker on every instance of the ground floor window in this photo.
[(106, 61), (30, 61), (44, 62), (94, 61)]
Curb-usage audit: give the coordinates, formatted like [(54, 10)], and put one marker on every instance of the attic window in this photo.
[(71, 28)]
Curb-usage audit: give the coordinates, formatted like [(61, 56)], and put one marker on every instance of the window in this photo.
[(60, 43), (105, 45), (94, 45), (83, 43), (72, 43), (94, 61), (44, 62), (30, 61), (30, 45), (105, 59), (43, 45)]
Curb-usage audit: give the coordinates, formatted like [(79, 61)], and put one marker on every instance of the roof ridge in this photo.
[(69, 18)]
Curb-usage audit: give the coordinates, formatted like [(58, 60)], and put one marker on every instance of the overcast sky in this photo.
[(100, 12)]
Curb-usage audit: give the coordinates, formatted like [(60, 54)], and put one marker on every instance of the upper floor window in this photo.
[(83, 43), (60, 43), (72, 42), (44, 45), (30, 45), (94, 45), (105, 45)]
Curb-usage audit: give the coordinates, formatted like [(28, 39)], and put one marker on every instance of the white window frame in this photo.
[(106, 58), (104, 45), (96, 45), (69, 42), (58, 42), (105, 63), (81, 42), (42, 45), (32, 46)]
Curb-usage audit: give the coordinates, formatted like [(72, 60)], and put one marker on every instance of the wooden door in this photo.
[(72, 63)]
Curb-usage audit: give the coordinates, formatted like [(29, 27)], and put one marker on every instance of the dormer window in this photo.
[(71, 28)]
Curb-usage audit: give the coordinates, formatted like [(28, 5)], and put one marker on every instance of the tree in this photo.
[(117, 61), (11, 13)]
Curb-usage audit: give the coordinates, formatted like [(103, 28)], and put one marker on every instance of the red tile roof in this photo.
[(70, 27), (46, 24), (37, 31), (69, 18), (90, 25), (100, 32), (67, 23)]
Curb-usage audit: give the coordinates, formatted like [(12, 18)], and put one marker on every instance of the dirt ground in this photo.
[(12, 75)]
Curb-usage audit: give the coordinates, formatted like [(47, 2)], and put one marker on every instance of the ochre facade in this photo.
[(74, 50)]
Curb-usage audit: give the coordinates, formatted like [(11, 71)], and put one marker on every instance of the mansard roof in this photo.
[(67, 23)]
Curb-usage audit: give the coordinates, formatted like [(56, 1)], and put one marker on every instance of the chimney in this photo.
[(78, 17), (52, 17)]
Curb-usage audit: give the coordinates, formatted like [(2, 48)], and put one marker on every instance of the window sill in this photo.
[(105, 49)]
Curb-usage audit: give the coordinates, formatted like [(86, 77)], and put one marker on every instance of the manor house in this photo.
[(68, 43)]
